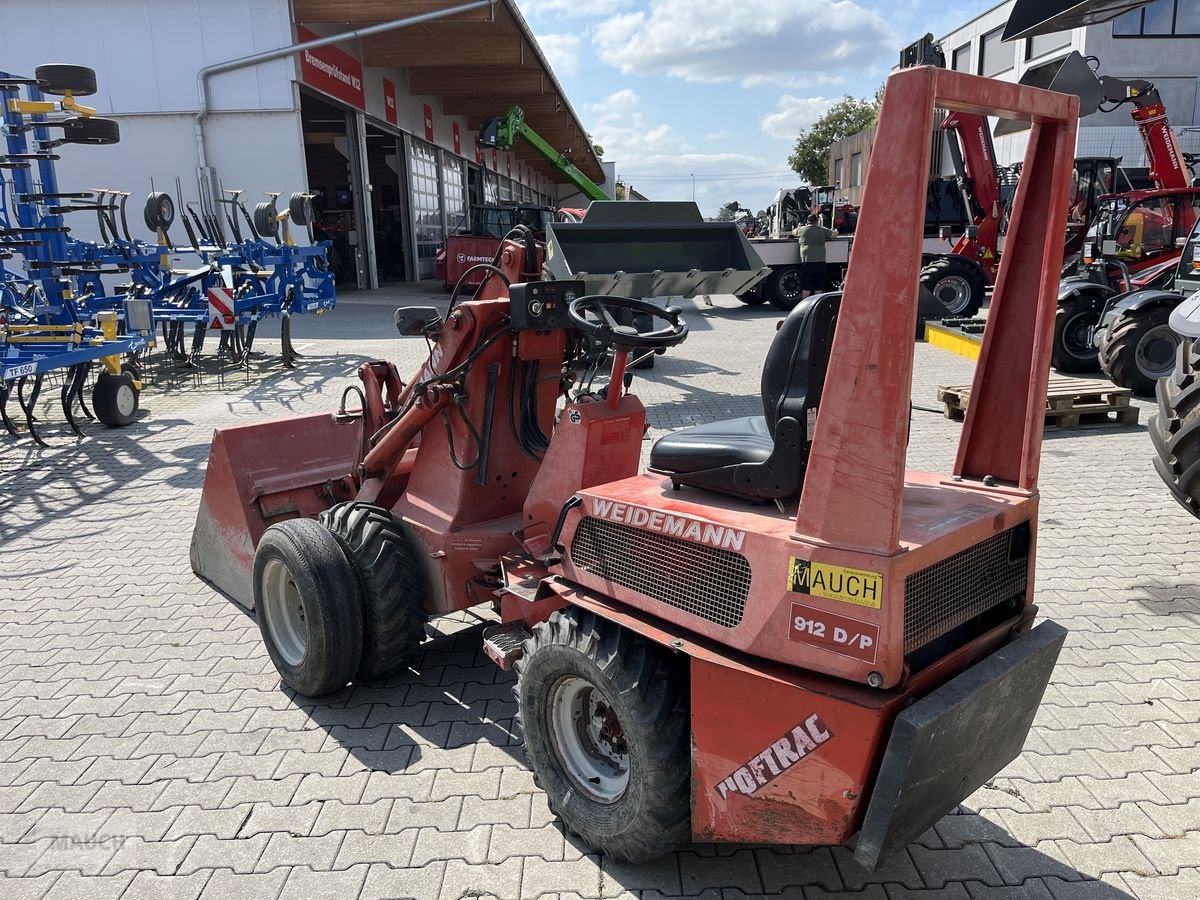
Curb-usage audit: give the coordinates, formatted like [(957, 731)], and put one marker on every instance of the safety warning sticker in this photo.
[(855, 586)]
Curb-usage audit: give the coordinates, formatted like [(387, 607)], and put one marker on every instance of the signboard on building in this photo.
[(389, 100), (428, 122), (331, 70), (457, 139)]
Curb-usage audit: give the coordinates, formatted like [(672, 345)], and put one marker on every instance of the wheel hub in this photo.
[(1156, 352), (1078, 336), (953, 292), (589, 739), (126, 399), (284, 612)]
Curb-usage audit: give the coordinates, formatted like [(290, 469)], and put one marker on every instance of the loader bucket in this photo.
[(1070, 75), (261, 474), (1030, 17), (658, 249)]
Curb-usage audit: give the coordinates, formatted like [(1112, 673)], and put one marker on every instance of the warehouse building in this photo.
[(1160, 42), (381, 125)]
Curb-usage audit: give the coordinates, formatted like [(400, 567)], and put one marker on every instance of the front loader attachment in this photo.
[(261, 474), (1069, 75), (1032, 17), (658, 249)]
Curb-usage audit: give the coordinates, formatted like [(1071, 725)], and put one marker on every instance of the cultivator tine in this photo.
[(9, 425), (27, 406), (249, 343), (198, 335), (288, 352), (67, 399), (101, 219), (80, 384)]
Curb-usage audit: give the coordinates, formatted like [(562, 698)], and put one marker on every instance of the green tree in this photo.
[(725, 213), (810, 158)]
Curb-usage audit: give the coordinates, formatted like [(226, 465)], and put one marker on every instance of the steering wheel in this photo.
[(606, 329)]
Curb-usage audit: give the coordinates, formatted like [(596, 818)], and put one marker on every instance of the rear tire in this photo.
[(308, 605), (605, 720), (784, 287), (115, 399), (1175, 429), (386, 560), (1074, 327), (1137, 348), (957, 283)]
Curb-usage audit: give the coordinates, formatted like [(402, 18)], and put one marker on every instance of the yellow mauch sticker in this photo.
[(855, 586)]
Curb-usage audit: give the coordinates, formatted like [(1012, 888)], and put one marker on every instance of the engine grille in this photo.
[(705, 581), (959, 588)]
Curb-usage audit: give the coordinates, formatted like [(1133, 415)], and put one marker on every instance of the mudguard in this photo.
[(1075, 286), (1136, 300)]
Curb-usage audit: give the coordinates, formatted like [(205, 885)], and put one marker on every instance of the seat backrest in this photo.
[(793, 373)]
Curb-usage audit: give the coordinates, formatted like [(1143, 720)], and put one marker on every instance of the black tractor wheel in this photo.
[(91, 130), (159, 211), (300, 207), (784, 287), (1074, 329), (309, 608), (605, 721), (115, 399), (266, 219), (1175, 429), (1138, 348), (957, 283), (753, 297), (61, 79), (387, 562)]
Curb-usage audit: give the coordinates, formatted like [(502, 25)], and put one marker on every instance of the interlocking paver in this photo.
[(142, 726)]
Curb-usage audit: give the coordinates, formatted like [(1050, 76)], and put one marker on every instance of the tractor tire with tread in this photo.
[(61, 79), (386, 559), (266, 220), (159, 211), (1123, 345), (1077, 318), (304, 561), (1175, 429), (643, 693), (300, 208), (115, 399), (957, 283)]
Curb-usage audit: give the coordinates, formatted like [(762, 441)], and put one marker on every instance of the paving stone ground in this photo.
[(148, 750)]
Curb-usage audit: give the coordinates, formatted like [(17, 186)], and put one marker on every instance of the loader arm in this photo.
[(975, 166), (1168, 168), (502, 132)]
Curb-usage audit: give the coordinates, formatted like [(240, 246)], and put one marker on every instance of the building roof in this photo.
[(478, 63)]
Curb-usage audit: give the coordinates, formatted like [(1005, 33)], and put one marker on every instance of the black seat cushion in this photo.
[(713, 445)]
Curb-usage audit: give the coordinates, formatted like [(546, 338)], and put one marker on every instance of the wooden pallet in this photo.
[(1070, 403)]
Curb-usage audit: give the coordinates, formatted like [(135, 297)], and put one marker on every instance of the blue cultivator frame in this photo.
[(41, 330)]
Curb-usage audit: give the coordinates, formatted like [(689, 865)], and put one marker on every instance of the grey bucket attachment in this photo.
[(1030, 17), (1070, 75), (656, 249)]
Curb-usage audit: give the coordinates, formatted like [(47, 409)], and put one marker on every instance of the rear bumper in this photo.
[(948, 744)]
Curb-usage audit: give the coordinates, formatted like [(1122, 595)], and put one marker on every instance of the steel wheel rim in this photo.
[(126, 399), (1078, 335), (1155, 353), (588, 739), (959, 290), (789, 285), (283, 612)]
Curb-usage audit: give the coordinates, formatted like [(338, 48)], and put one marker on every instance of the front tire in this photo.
[(605, 721), (1175, 429), (385, 558), (1074, 329), (1138, 348), (957, 283), (309, 607)]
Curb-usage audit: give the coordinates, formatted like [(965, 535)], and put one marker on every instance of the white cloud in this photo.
[(754, 41), (659, 161), (793, 114), (562, 50)]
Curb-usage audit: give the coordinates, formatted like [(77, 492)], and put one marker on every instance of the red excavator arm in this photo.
[(975, 163)]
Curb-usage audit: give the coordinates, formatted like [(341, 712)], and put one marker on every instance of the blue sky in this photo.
[(720, 88)]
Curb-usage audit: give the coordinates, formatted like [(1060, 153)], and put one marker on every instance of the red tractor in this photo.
[(777, 634)]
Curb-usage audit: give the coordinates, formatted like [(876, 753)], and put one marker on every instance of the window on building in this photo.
[(1041, 44), (839, 170), (428, 226), (1162, 18), (960, 60), (995, 56), (855, 170), (454, 194)]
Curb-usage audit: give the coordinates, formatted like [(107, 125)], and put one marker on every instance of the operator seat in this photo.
[(763, 457)]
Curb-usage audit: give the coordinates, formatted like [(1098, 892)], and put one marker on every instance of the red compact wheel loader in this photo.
[(777, 634)]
